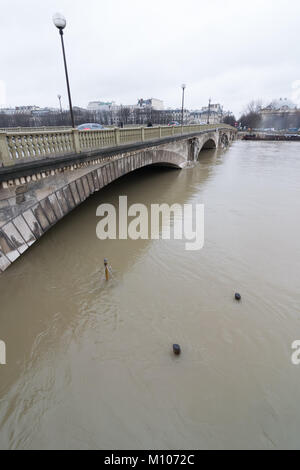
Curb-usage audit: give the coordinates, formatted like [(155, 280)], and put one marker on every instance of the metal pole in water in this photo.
[(106, 269)]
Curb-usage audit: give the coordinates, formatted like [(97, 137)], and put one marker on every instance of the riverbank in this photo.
[(270, 137)]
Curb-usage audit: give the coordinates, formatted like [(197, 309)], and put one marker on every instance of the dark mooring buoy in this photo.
[(238, 296), (176, 349)]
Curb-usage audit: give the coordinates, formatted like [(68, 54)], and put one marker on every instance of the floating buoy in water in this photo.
[(238, 296), (176, 349)]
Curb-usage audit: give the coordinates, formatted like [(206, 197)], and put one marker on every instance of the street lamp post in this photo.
[(60, 22), (208, 116), (59, 99), (182, 109)]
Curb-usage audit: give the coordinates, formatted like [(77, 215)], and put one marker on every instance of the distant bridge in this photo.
[(45, 174)]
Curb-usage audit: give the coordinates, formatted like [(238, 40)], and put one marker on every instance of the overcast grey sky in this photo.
[(122, 50)]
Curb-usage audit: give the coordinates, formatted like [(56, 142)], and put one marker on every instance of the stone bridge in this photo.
[(45, 174)]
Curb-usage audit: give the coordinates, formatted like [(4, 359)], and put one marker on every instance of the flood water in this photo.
[(90, 364)]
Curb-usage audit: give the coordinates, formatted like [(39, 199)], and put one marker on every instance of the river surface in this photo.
[(90, 363)]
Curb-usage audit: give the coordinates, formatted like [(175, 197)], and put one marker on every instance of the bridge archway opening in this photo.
[(209, 145), (174, 166)]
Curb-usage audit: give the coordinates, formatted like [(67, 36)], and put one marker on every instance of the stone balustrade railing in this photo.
[(34, 129), (25, 145)]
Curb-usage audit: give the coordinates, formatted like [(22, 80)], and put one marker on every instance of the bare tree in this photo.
[(251, 117), (229, 119), (253, 107), (124, 114)]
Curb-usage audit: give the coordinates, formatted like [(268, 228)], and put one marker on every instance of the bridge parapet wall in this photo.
[(22, 146)]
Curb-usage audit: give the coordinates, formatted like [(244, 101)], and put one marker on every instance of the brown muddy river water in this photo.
[(90, 364)]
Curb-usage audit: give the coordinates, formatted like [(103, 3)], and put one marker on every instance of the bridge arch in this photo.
[(165, 157), (209, 144), (206, 143), (61, 197)]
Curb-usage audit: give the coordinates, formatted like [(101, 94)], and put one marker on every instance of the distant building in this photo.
[(101, 105), (277, 107), (129, 114), (7, 111), (152, 110), (26, 109), (153, 103), (176, 115), (43, 111), (280, 114), (212, 113)]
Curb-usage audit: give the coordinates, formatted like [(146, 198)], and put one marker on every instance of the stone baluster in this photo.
[(117, 137), (5, 159), (76, 141)]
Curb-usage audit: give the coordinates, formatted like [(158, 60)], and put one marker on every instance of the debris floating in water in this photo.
[(176, 349)]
